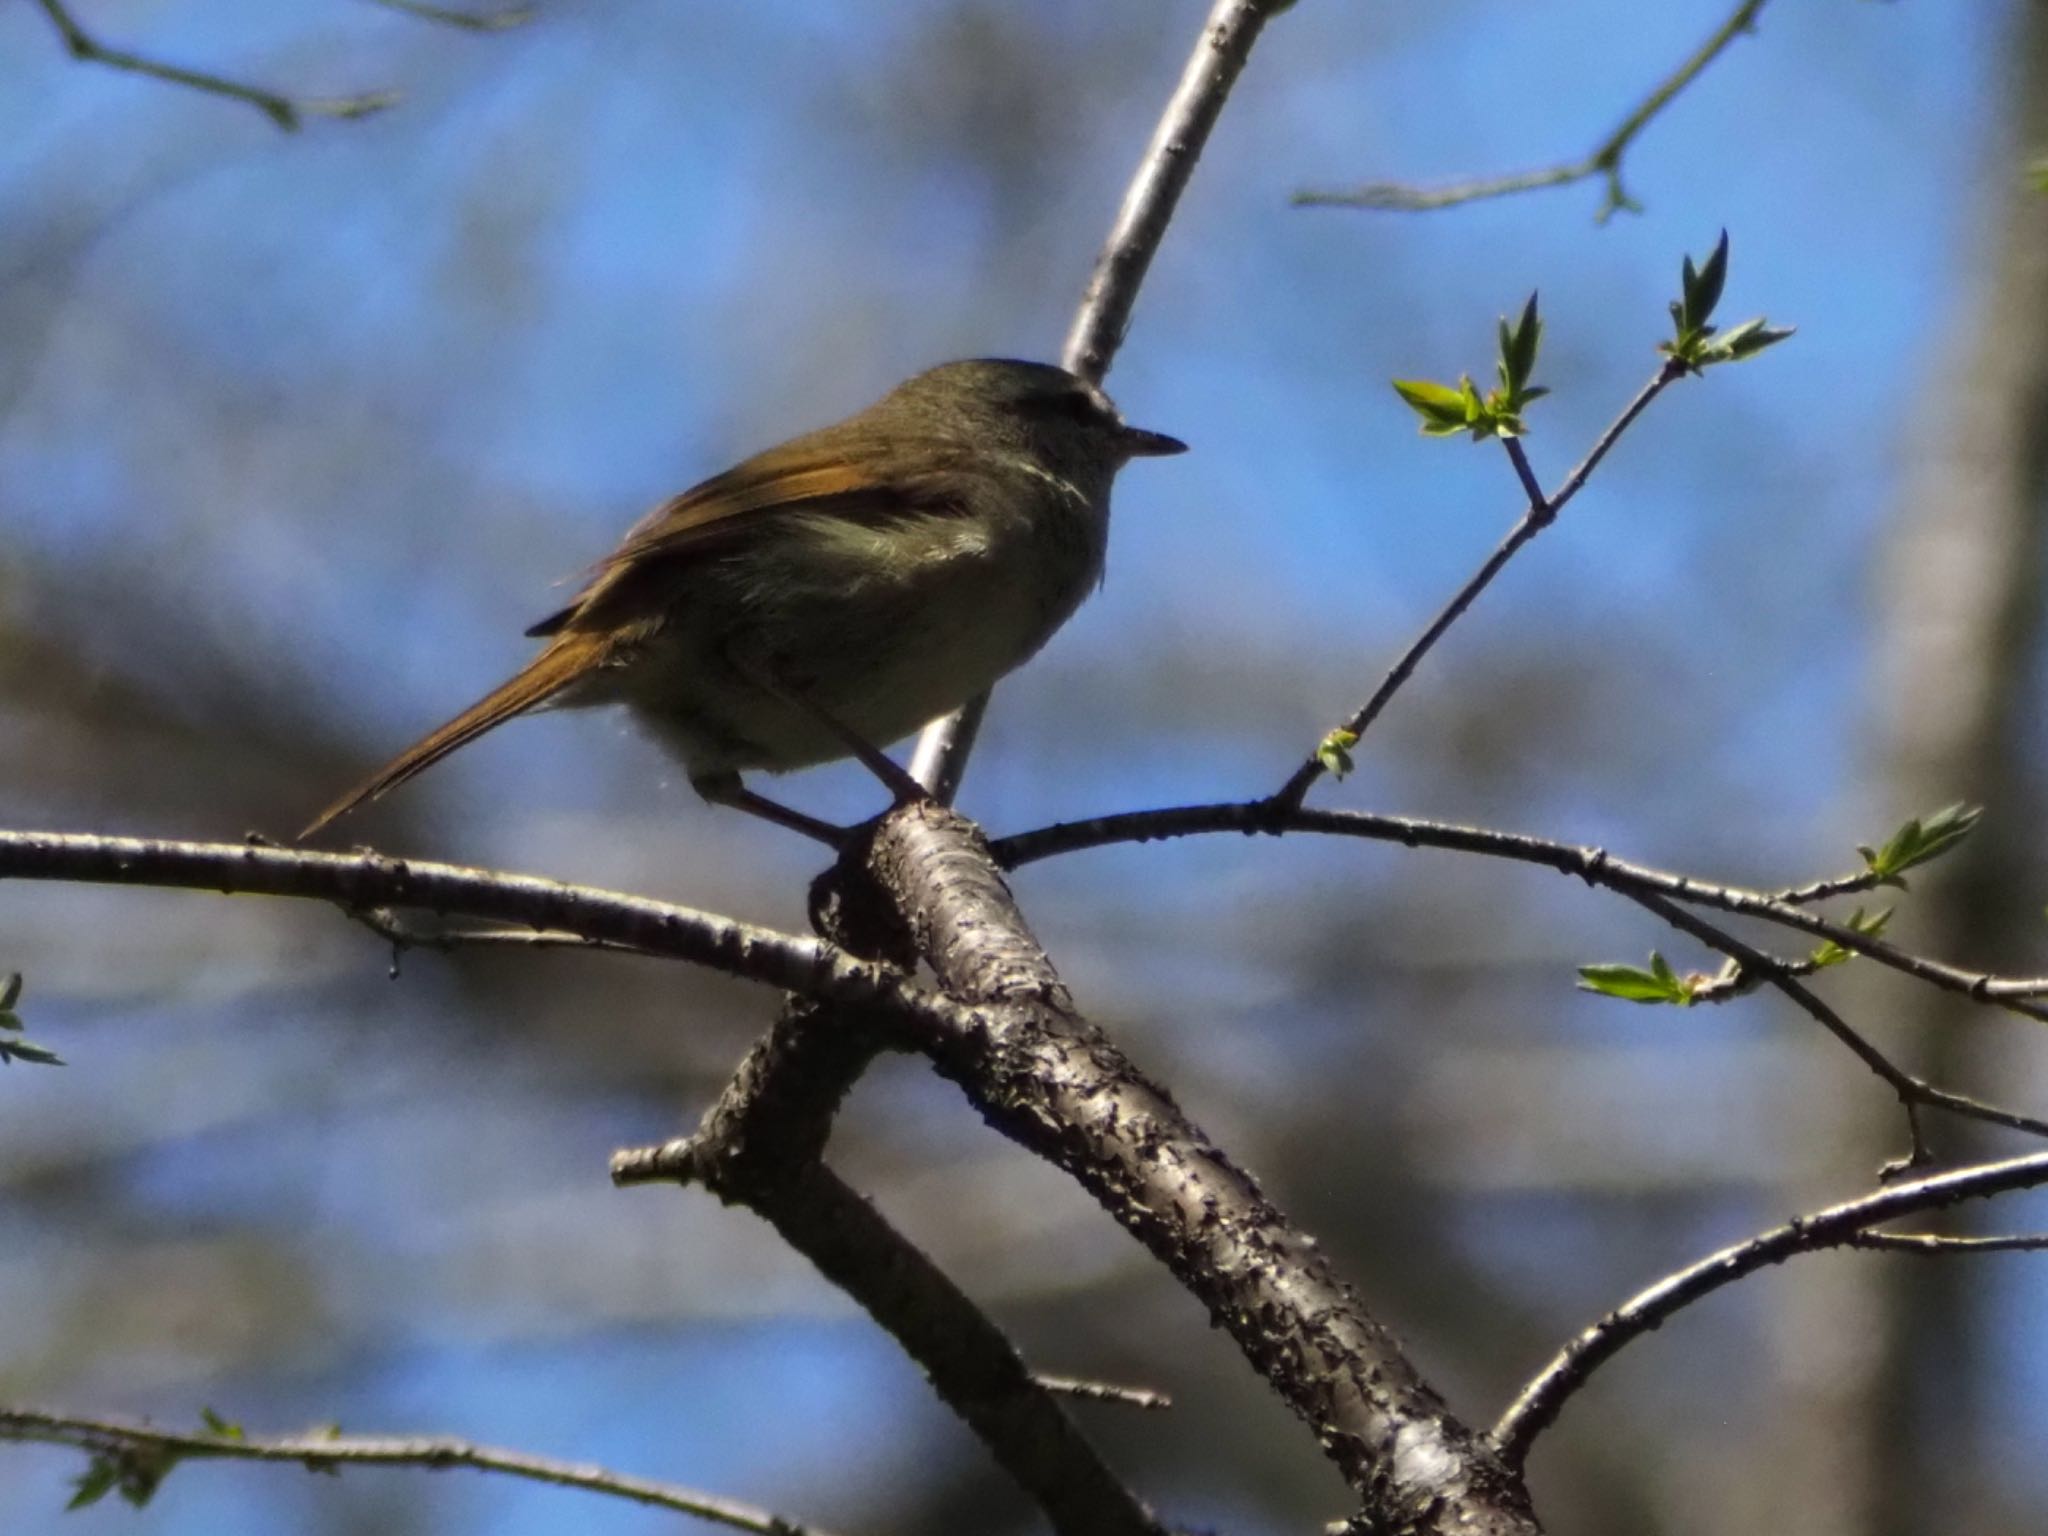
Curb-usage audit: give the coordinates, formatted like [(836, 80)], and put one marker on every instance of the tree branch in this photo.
[(760, 1144), (1936, 1244), (1912, 1091), (1603, 160), (1593, 865), (1047, 1078), (1540, 1402), (972, 1366), (364, 881), (145, 1453)]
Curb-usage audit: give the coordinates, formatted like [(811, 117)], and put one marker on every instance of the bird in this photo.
[(832, 594)]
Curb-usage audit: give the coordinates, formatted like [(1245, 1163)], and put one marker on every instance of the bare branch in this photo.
[(286, 111), (1593, 865), (759, 1145), (365, 880), (1824, 890), (1219, 56), (1937, 1244), (1603, 160), (1541, 513), (1163, 172), (1540, 1402), (160, 1449)]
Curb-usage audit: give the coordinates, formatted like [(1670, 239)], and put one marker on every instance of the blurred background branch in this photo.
[(1604, 159), (288, 112)]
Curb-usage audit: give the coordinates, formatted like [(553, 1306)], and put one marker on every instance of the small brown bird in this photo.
[(831, 595)]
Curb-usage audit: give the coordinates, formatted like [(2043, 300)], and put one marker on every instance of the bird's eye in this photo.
[(1079, 407)]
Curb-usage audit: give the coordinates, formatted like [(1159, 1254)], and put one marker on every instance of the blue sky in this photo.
[(346, 403)]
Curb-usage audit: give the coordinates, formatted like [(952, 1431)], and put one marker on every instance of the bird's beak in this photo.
[(1140, 444)]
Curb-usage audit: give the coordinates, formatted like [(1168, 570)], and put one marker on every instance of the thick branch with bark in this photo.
[(1047, 1078)]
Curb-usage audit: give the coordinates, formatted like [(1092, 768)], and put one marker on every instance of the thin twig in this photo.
[(1912, 1090), (469, 21), (1596, 866), (285, 111), (1104, 1392), (1735, 980), (1934, 1244), (1604, 159), (401, 935), (1541, 513), (157, 1449), (1539, 1403), (1826, 890), (1225, 43)]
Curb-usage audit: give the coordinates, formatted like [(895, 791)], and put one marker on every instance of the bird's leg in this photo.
[(895, 778), (727, 789)]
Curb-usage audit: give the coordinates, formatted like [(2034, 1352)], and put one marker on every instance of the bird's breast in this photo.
[(883, 625)]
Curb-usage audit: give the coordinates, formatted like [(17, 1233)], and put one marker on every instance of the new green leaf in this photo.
[(1633, 984), (1869, 924), (1334, 751), (1442, 408), (1919, 840), (1695, 342), (1701, 289), (17, 1049), (132, 1471), (1518, 345)]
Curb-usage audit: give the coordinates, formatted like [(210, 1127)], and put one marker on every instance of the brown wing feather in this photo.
[(541, 679), (827, 469)]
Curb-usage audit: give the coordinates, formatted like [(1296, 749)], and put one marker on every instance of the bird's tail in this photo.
[(553, 670)]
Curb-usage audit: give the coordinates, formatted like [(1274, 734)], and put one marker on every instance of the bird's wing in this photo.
[(820, 472)]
